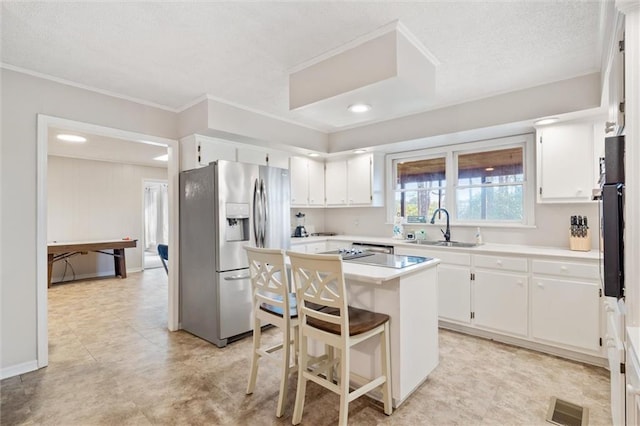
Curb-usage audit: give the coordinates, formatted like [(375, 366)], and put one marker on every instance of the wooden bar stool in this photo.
[(319, 280), (272, 304)]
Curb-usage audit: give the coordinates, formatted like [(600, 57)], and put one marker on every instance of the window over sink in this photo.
[(479, 183)]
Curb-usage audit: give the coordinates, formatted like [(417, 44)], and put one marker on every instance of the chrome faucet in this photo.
[(447, 233)]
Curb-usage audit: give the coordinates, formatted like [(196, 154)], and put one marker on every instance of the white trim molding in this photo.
[(173, 168)]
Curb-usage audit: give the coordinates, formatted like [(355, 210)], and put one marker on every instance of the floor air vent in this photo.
[(567, 414)]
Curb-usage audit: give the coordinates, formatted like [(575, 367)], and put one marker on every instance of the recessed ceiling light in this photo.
[(313, 154), (71, 138), (359, 151), (544, 121), (489, 169), (359, 108), (164, 157)]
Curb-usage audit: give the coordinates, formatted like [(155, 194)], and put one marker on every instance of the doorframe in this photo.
[(144, 219), (173, 169)]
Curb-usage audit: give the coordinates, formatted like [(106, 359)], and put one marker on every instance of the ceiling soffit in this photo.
[(389, 70)]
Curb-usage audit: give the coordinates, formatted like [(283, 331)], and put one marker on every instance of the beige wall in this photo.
[(23, 97), (96, 200)]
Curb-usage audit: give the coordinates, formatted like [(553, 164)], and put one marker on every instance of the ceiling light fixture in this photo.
[(544, 121), (359, 108), (164, 157), (359, 151), (71, 138), (313, 154), (489, 169)]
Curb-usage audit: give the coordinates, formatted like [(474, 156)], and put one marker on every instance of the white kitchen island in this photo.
[(409, 296)]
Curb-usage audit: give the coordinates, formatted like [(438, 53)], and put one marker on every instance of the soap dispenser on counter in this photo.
[(478, 236)]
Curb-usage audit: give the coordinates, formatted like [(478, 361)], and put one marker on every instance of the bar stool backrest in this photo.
[(319, 280)]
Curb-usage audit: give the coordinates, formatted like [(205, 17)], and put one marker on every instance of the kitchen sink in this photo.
[(442, 243)]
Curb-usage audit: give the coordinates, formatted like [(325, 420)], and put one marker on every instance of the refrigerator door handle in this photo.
[(237, 277), (264, 217), (256, 214)]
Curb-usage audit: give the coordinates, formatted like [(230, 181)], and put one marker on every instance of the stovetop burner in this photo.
[(350, 253)]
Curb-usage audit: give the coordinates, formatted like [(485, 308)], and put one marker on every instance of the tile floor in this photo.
[(112, 361)]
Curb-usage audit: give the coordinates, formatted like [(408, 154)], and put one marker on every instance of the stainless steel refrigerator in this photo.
[(224, 207)]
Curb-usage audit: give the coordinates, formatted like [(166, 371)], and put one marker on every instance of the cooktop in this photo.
[(396, 261)]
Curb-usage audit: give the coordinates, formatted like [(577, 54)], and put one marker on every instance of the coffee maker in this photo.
[(300, 230)]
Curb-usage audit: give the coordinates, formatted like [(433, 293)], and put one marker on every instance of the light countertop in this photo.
[(489, 248), (379, 274)]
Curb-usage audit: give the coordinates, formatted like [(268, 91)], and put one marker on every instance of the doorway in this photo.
[(155, 206), (44, 123)]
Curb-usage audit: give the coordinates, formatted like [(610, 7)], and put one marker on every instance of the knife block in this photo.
[(580, 243)]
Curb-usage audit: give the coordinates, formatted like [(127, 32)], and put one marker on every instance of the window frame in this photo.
[(451, 153)]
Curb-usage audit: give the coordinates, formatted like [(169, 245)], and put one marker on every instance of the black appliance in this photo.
[(612, 226)]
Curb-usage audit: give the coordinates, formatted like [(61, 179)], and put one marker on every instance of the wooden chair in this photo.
[(272, 304), (319, 280)]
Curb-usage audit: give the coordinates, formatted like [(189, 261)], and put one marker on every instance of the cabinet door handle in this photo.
[(540, 285), (520, 282), (499, 262), (563, 268)]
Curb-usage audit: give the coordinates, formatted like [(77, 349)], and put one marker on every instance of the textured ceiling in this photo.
[(173, 53)]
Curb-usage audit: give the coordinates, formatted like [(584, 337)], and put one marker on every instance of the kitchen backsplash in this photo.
[(552, 226)]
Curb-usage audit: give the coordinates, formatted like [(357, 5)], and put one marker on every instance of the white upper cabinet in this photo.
[(359, 180), (616, 83), (336, 183), (198, 151), (316, 183), (355, 181), (307, 182), (263, 157), (299, 181), (566, 161)]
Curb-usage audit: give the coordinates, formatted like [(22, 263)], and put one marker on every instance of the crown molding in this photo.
[(85, 87)]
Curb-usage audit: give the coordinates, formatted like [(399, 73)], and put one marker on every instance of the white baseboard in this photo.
[(17, 369), (596, 360)]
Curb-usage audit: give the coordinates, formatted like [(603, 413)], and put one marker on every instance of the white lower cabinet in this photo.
[(614, 344), (454, 293), (454, 282), (633, 387), (500, 301), (546, 302), (566, 312), (319, 247)]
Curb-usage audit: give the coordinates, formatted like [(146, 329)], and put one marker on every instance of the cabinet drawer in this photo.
[(566, 269), (501, 262)]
